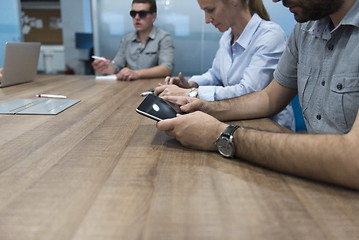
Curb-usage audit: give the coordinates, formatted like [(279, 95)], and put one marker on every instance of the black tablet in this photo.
[(156, 108)]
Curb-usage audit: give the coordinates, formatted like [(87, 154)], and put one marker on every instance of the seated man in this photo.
[(321, 65), (146, 53)]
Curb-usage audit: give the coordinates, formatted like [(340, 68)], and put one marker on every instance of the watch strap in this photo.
[(230, 130)]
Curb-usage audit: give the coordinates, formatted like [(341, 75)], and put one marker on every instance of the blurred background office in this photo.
[(70, 30)]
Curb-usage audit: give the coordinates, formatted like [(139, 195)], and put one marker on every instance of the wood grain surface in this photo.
[(99, 170)]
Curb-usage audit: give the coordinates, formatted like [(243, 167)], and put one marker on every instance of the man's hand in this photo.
[(189, 104), (127, 74), (196, 130), (179, 81), (103, 67), (171, 90)]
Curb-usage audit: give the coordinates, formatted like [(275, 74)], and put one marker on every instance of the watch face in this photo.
[(192, 94), (225, 147)]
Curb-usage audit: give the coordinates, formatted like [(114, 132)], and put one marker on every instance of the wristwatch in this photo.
[(193, 92), (224, 142)]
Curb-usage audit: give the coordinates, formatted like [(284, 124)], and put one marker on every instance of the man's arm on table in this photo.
[(324, 157), (153, 72), (268, 102)]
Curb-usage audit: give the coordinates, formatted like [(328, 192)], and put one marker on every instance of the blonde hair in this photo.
[(257, 6), (254, 6)]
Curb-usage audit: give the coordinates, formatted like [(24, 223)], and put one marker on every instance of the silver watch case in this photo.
[(224, 142), (193, 92), (225, 146)]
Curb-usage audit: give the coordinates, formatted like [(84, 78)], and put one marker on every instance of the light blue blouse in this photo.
[(246, 66)]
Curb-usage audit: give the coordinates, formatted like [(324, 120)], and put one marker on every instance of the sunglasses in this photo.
[(142, 13)]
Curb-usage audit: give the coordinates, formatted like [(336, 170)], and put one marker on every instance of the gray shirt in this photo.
[(323, 64), (157, 51)]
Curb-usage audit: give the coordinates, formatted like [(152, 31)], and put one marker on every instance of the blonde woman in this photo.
[(248, 53)]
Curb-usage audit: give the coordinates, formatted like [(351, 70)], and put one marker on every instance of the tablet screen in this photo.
[(156, 108)]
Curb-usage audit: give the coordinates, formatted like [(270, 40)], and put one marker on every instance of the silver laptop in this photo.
[(20, 63)]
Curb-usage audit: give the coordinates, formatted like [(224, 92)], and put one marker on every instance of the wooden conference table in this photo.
[(99, 171)]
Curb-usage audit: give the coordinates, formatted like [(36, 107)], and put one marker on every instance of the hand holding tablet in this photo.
[(157, 109)]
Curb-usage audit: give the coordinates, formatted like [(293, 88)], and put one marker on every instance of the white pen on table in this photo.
[(50, 96), (102, 58), (146, 93), (150, 91)]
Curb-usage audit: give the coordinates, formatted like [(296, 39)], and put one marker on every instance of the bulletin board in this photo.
[(42, 25)]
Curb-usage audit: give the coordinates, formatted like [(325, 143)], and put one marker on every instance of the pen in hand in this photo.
[(50, 96), (102, 58)]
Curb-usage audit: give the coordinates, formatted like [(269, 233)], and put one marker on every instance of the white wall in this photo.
[(280, 15), (10, 28), (75, 18)]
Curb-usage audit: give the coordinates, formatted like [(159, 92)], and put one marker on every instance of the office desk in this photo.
[(99, 171)]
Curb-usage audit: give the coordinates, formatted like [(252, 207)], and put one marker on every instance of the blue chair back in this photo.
[(298, 115)]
